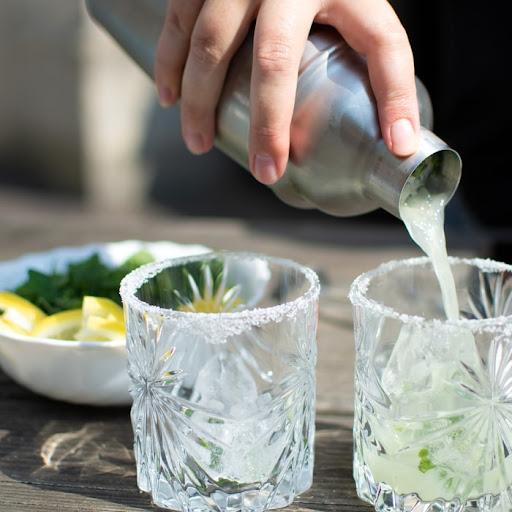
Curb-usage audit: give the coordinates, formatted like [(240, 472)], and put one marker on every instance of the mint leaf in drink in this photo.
[(215, 457), (215, 421), (425, 463), (230, 484), (215, 452)]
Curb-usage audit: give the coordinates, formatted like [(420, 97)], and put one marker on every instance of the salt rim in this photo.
[(252, 317), (359, 287)]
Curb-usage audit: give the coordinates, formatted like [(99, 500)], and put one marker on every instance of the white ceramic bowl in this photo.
[(92, 373)]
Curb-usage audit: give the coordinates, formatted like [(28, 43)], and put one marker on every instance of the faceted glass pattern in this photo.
[(222, 351), (433, 405)]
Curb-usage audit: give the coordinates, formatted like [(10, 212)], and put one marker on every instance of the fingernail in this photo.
[(265, 169), (195, 143), (403, 138), (166, 96)]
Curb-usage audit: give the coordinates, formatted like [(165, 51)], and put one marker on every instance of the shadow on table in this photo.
[(67, 448), (87, 451)]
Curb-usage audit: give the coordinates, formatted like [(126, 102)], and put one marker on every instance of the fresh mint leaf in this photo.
[(43, 290), (88, 276), (55, 292)]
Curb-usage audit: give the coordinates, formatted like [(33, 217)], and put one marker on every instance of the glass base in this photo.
[(385, 499), (256, 500)]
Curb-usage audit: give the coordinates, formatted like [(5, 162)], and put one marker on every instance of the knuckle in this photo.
[(206, 47), (400, 110), (273, 55), (193, 111), (269, 136), (388, 35), (400, 100), (175, 23)]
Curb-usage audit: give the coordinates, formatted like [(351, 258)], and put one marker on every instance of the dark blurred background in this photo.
[(78, 120)]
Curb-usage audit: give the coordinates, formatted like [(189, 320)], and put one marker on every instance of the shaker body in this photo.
[(338, 160), (334, 131)]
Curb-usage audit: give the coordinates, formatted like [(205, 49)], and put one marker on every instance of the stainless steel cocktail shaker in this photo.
[(338, 160)]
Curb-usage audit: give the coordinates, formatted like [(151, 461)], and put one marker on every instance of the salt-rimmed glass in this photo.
[(221, 352), (433, 405)]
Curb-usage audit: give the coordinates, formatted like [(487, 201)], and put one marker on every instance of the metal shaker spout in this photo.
[(435, 166)]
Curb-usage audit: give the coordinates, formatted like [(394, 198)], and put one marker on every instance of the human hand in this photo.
[(200, 37)]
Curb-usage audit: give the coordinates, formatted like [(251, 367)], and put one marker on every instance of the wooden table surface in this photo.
[(65, 458)]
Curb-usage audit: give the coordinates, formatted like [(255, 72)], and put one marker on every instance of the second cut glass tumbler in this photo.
[(222, 352), (433, 406)]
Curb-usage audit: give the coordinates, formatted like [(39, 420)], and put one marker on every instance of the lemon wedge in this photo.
[(18, 312), (102, 320), (60, 326), (103, 308), (97, 328), (9, 327)]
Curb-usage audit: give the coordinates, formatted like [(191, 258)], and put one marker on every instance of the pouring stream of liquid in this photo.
[(423, 216)]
